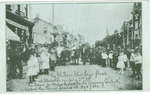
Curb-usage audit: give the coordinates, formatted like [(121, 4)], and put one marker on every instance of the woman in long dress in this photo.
[(32, 67), (120, 63), (44, 61)]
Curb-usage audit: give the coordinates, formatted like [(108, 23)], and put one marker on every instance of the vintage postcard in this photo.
[(68, 46)]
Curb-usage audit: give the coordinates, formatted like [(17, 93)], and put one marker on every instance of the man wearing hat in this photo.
[(111, 58), (104, 59)]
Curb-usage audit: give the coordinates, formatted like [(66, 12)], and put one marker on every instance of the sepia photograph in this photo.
[(74, 46)]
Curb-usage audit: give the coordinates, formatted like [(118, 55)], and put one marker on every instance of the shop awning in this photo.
[(10, 35)]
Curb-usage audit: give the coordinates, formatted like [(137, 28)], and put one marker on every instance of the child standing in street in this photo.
[(120, 63), (32, 67), (44, 60)]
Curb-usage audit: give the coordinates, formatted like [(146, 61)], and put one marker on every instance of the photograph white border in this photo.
[(146, 43)]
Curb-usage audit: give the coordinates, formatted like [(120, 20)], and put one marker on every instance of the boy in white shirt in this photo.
[(110, 59), (104, 57)]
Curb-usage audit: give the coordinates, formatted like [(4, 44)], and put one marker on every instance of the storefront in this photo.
[(12, 40), (21, 26), (18, 36)]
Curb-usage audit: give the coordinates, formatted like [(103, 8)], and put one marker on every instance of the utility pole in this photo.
[(107, 32), (54, 36), (53, 15), (107, 35)]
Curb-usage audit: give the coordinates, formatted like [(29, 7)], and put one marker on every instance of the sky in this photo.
[(90, 20)]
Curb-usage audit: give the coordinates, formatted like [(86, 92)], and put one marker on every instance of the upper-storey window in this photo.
[(45, 30), (26, 10), (19, 9), (22, 10), (8, 7)]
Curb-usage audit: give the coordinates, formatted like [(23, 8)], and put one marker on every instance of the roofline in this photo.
[(42, 20)]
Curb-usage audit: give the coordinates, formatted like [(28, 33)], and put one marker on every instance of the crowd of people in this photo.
[(124, 60), (42, 59)]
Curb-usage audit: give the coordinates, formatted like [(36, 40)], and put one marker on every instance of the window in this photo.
[(45, 32), (26, 11), (8, 7), (18, 10)]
